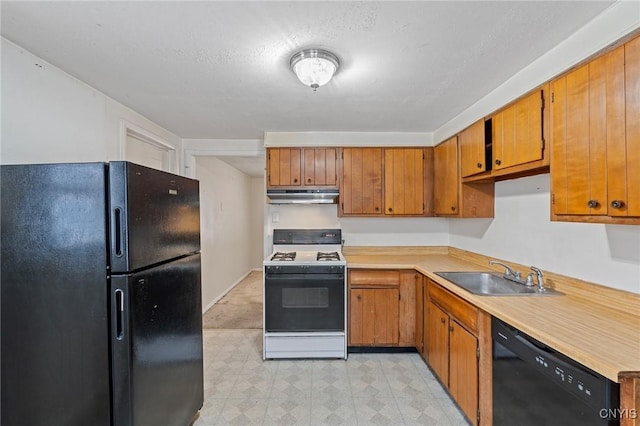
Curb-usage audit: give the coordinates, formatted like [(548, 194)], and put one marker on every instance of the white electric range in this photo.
[(304, 297)]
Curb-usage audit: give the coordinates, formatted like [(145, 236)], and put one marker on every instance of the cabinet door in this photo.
[(463, 369), (438, 342), (361, 189), (623, 147), (404, 181), (517, 132), (472, 150), (446, 179), (579, 141), (386, 316), (320, 167), (373, 317), (283, 167)]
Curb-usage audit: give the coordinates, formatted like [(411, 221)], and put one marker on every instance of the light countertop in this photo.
[(605, 338)]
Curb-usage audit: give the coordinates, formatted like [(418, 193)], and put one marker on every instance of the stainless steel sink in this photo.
[(492, 284)]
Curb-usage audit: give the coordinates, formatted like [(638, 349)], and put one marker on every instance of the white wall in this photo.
[(257, 205), (620, 19), (48, 116), (522, 232), (225, 218), (358, 231)]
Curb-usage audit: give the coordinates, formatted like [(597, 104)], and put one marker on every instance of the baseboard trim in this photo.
[(213, 302)]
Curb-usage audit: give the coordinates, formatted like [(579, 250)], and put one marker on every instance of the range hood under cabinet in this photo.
[(303, 196)]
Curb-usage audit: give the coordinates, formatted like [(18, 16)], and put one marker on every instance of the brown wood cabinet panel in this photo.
[(632, 109), (283, 167), (407, 308), (446, 180), (404, 181), (320, 167), (588, 136), (374, 308), (463, 311), (472, 149), (420, 314), (373, 277), (463, 369), (453, 198), (386, 316), (356, 318), (361, 185), (518, 132), (438, 342)]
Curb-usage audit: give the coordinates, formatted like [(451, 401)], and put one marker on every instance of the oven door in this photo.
[(304, 302)]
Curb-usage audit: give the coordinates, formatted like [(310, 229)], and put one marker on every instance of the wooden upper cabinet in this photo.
[(595, 136), (472, 150), (630, 175), (361, 184), (446, 179), (320, 167), (518, 132), (284, 166), (302, 167), (404, 181), (453, 198)]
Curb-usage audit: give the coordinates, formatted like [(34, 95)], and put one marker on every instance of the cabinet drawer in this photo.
[(373, 278), (465, 313)]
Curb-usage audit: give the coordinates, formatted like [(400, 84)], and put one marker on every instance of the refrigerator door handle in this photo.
[(119, 295), (117, 231)]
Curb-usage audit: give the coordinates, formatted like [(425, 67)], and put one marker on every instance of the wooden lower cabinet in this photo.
[(382, 307), (463, 368), (438, 342), (458, 337), (373, 318)]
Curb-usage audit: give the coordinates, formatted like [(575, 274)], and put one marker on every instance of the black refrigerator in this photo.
[(101, 311)]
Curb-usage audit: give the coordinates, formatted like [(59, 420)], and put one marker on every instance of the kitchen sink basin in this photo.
[(492, 284)]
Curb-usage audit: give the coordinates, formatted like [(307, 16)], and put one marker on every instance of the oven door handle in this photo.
[(308, 277)]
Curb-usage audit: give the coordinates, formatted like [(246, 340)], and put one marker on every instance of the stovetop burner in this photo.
[(327, 256), (284, 256)]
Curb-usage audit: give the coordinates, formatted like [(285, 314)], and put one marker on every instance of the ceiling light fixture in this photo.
[(314, 67)]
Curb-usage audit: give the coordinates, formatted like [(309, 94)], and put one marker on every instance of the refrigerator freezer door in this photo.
[(154, 216), (55, 328), (156, 328)]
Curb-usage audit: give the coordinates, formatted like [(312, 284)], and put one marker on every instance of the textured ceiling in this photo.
[(220, 69)]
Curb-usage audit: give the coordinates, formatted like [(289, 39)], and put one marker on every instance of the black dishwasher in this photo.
[(535, 385)]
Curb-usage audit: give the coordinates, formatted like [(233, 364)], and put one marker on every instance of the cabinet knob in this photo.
[(453, 208), (390, 209), (442, 320), (359, 297), (309, 180), (498, 162), (617, 204), (377, 209), (593, 204), (295, 181), (451, 329), (479, 165)]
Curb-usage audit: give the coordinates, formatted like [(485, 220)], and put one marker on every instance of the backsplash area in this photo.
[(358, 231)]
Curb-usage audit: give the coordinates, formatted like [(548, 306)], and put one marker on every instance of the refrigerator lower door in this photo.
[(156, 340)]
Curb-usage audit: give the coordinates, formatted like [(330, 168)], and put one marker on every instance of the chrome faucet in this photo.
[(539, 274), (509, 274)]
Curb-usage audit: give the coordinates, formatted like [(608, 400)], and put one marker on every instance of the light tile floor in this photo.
[(367, 389)]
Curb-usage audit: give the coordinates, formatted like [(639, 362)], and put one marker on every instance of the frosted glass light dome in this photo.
[(314, 67)]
